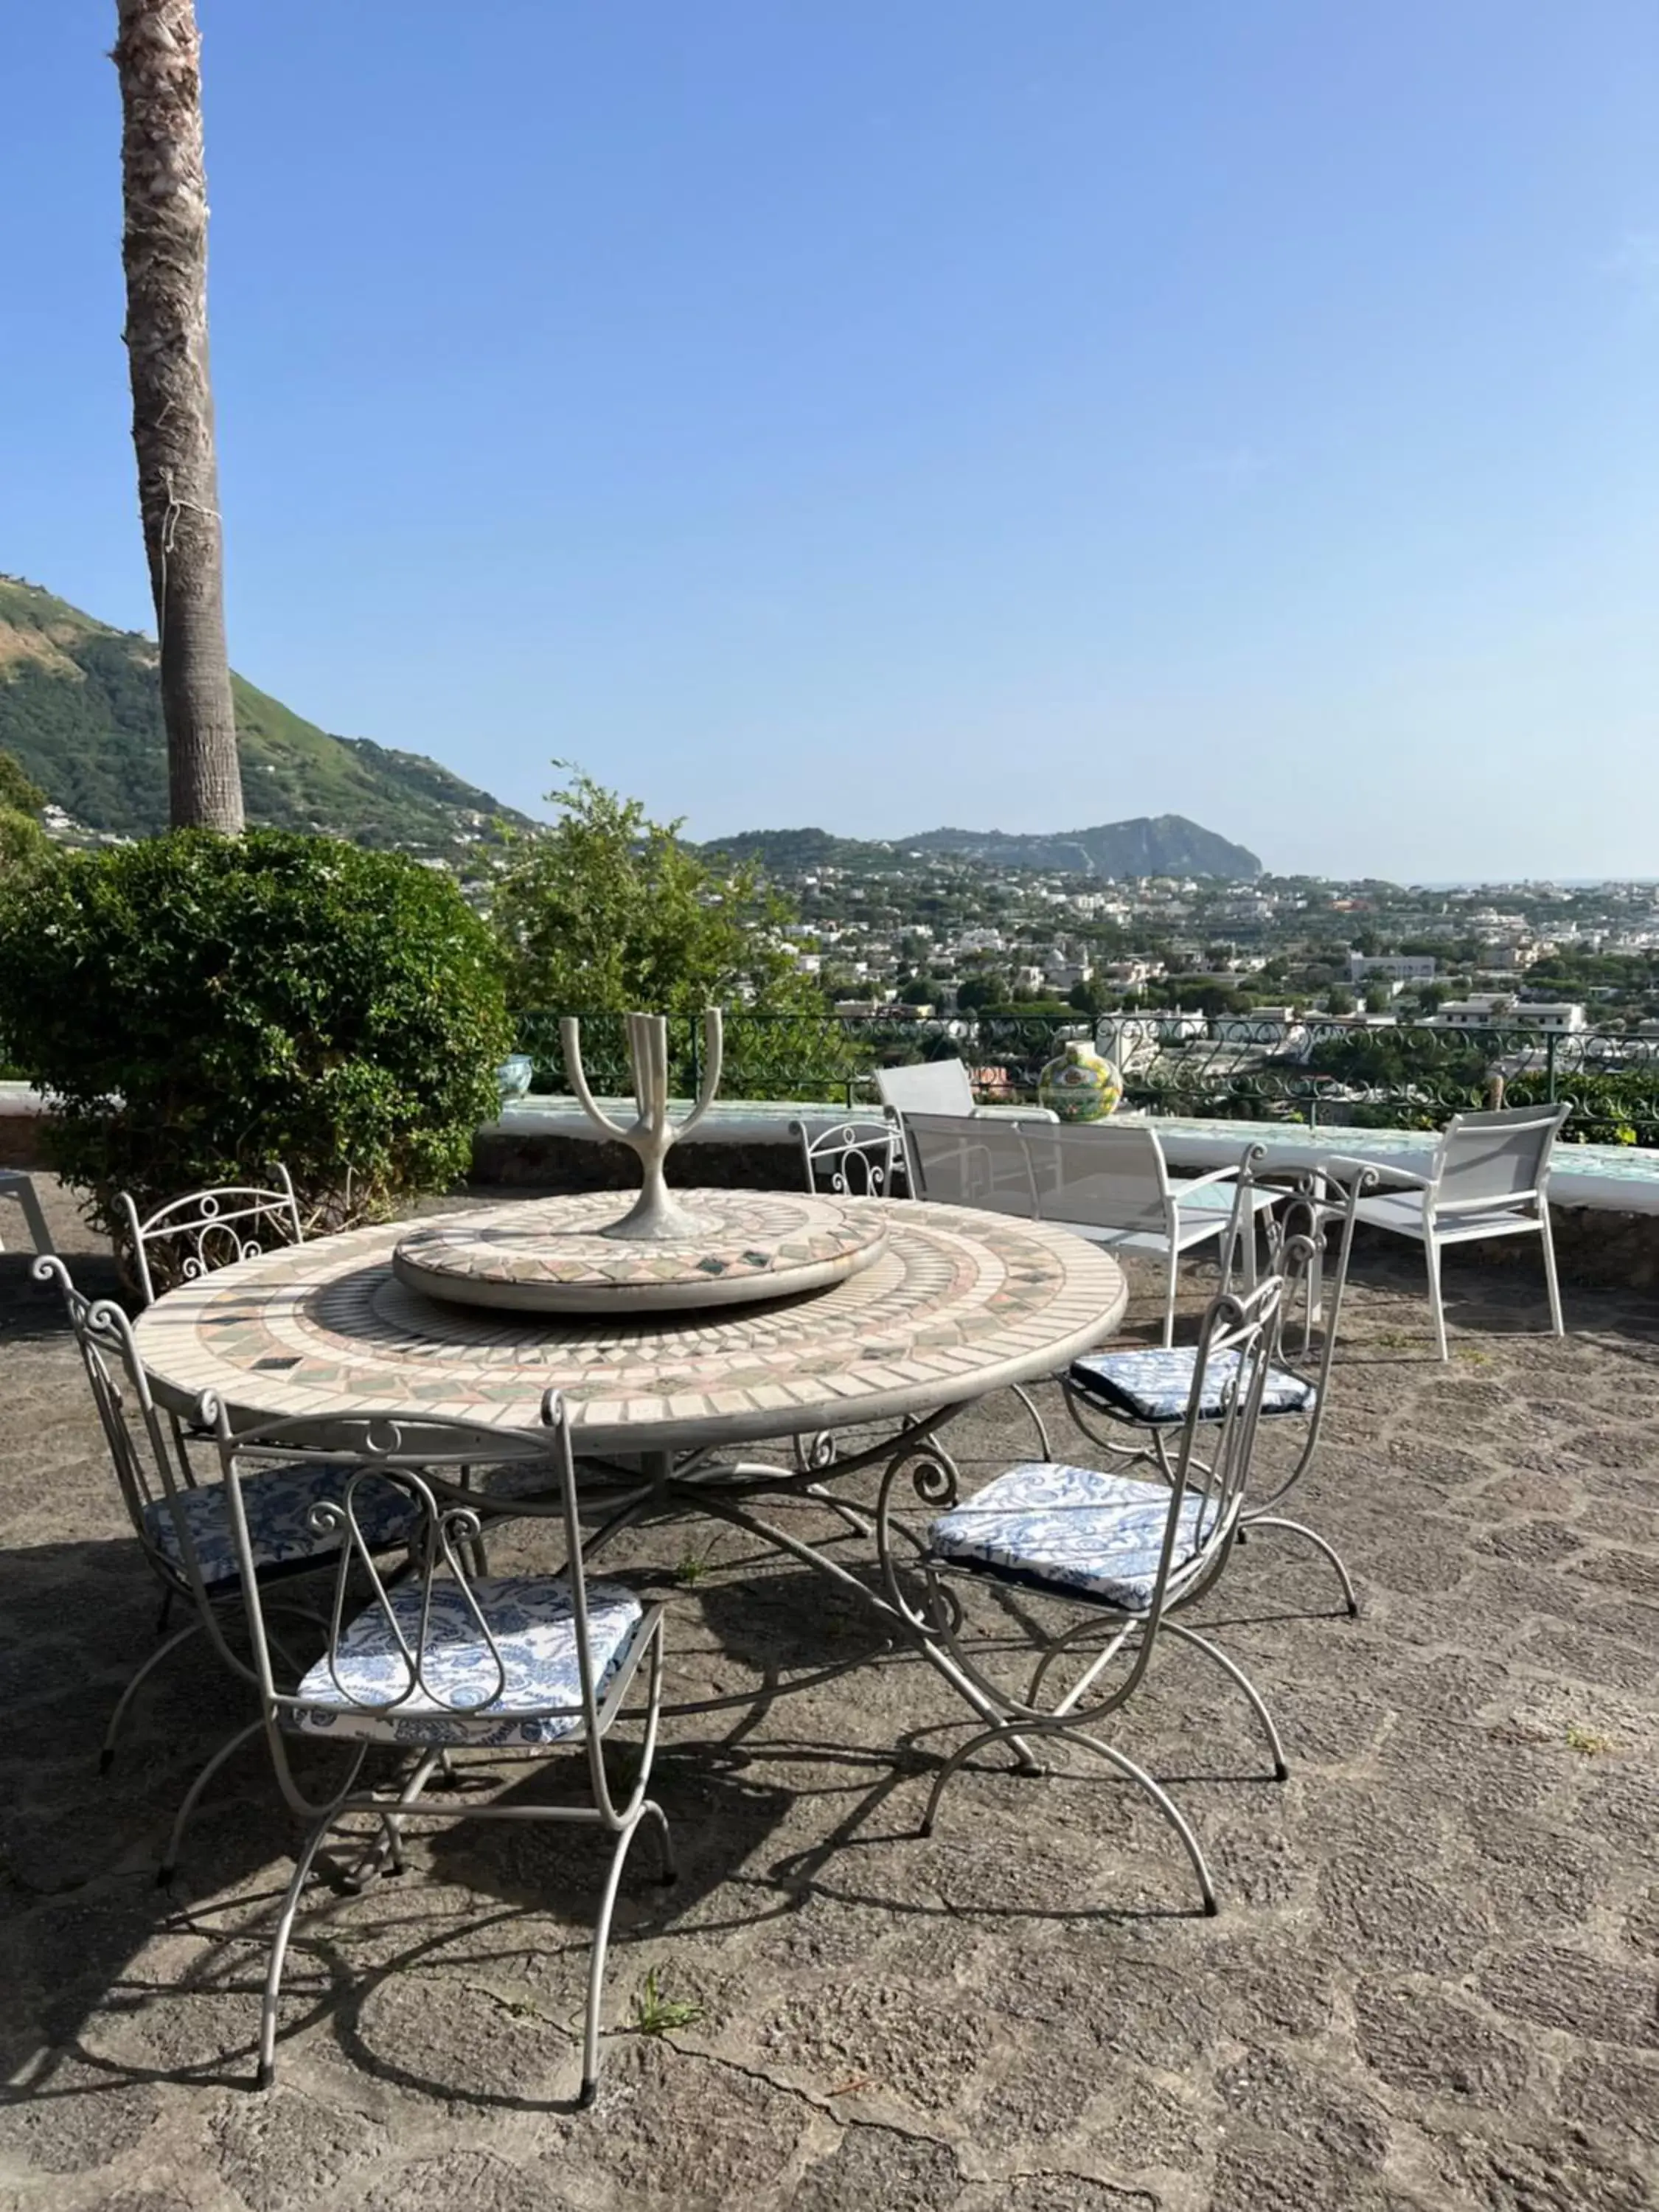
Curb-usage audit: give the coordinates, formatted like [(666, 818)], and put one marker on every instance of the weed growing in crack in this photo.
[(656, 2014), (1591, 1742)]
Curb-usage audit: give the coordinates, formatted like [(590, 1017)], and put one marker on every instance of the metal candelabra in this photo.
[(655, 1212)]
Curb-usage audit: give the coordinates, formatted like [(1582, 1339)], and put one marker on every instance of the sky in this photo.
[(886, 415)]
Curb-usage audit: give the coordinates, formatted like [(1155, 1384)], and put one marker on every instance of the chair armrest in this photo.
[(1198, 1182), (1378, 1170)]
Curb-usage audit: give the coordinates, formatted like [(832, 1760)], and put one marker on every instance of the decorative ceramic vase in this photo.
[(1081, 1086), (513, 1077)]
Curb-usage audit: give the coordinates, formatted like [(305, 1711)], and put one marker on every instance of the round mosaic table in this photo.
[(553, 1256), (955, 1303)]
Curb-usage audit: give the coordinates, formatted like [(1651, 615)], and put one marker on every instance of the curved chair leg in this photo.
[(596, 1963), (186, 1812), (1000, 1732), (1160, 1797), (1551, 1279), (1436, 1297), (1114, 1758), (1037, 1421), (1235, 1674), (1300, 1528), (860, 1524), (302, 1866), (670, 1871), (123, 1706)]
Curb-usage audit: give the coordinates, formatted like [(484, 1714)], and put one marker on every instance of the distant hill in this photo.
[(797, 848), (1150, 845), (1159, 845), (79, 707)]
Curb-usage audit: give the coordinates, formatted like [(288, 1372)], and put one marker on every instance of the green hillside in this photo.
[(1161, 844), (79, 707)]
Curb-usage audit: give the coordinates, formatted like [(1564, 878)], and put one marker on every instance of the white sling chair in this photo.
[(1488, 1178), (1110, 1184)]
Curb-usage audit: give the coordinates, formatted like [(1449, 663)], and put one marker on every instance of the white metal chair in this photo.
[(1489, 1178), (1149, 1392), (1130, 1553), (209, 1229), (853, 1159), (16, 1183), (183, 1525), (446, 1662), (1108, 1182)]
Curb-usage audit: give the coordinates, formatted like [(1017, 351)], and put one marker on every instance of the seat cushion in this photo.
[(461, 1698), (1069, 1528), (1153, 1387), (277, 1502)]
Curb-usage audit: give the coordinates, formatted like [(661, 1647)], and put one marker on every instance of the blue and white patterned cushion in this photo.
[(1154, 1386), (461, 1698), (277, 1503), (1070, 1528)]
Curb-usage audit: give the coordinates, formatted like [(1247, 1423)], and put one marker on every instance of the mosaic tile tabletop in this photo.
[(549, 1255), (956, 1303)]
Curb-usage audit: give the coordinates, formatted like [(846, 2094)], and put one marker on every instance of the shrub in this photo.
[(198, 1006)]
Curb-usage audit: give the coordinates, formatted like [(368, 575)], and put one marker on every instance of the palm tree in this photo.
[(164, 250)]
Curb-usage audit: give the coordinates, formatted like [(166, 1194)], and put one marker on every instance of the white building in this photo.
[(1397, 967), (1495, 1010)]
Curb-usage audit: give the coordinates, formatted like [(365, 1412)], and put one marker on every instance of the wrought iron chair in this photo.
[(853, 1159), (1110, 1183), (1150, 1391), (446, 1662), (183, 1524), (1490, 1177), (211, 1229), (1131, 1553)]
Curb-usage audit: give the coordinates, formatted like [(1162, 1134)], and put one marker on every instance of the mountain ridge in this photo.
[(1147, 845), (81, 710)]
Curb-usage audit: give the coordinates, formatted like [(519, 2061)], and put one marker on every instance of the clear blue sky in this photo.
[(884, 415)]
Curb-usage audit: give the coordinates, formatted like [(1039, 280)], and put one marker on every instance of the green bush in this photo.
[(198, 1006)]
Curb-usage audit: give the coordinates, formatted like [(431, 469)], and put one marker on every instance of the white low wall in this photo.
[(1617, 1178), (1624, 1179)]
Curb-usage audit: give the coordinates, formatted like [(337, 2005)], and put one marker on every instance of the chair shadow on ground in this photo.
[(90, 1947), (32, 1312)]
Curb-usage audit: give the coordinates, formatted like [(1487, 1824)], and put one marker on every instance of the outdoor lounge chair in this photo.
[(1110, 1183), (1489, 1178)]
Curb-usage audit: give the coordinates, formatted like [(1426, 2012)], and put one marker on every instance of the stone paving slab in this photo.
[(1430, 1986)]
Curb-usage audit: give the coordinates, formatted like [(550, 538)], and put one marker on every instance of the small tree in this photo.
[(610, 913), (24, 845), (198, 1006)]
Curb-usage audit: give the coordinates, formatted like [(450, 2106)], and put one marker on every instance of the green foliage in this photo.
[(198, 1006), (81, 708), (25, 847), (988, 989), (611, 913), (18, 793)]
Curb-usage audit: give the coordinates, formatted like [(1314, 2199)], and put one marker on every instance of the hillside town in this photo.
[(893, 930)]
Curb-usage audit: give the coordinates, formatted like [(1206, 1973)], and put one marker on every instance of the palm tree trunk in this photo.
[(164, 250)]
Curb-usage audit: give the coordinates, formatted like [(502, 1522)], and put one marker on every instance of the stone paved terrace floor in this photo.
[(1432, 1985)]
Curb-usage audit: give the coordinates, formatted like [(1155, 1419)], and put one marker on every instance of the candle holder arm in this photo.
[(570, 1039), (714, 1052)]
